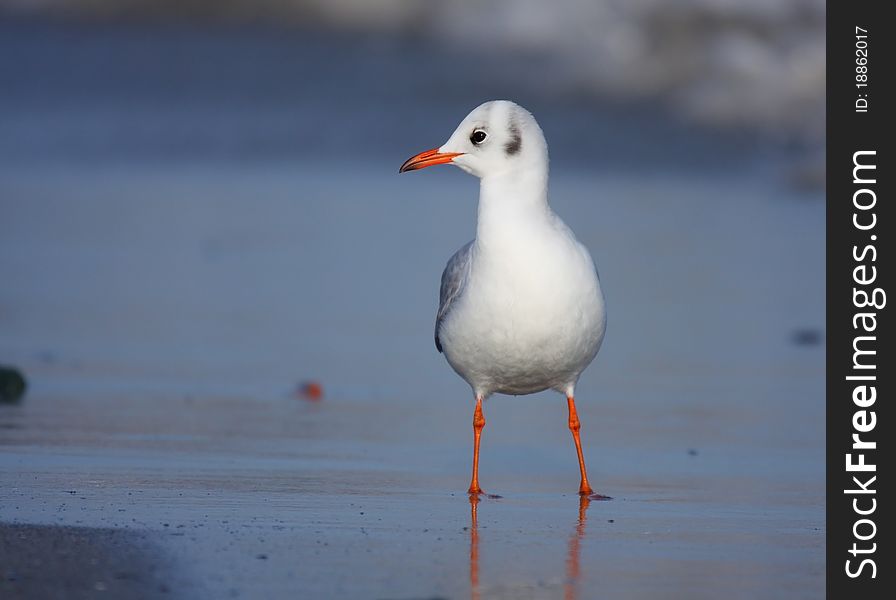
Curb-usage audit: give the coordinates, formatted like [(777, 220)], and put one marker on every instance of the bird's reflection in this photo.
[(570, 591), (474, 548), (571, 587)]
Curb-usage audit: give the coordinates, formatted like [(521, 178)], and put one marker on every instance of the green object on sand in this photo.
[(12, 385)]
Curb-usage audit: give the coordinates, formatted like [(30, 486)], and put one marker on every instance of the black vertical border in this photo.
[(849, 131)]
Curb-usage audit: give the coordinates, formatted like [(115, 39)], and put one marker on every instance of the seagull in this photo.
[(520, 306)]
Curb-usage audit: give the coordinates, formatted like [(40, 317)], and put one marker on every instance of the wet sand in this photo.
[(303, 507), (47, 561), (164, 349)]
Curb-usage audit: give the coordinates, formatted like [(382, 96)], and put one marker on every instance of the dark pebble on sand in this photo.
[(12, 385), (806, 337)]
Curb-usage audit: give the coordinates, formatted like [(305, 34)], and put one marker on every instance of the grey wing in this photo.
[(454, 277)]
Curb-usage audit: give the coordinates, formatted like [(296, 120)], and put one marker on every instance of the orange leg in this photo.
[(574, 427), (478, 424)]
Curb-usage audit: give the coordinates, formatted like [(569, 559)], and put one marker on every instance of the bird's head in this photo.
[(496, 138)]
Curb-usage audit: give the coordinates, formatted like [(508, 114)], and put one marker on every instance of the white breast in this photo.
[(531, 316)]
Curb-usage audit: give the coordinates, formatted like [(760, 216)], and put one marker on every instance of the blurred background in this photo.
[(217, 285), (250, 79)]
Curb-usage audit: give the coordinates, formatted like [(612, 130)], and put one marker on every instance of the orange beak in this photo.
[(427, 158)]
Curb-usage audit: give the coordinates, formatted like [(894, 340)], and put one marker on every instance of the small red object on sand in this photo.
[(311, 390)]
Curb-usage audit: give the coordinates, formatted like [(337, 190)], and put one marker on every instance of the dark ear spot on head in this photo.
[(516, 140)]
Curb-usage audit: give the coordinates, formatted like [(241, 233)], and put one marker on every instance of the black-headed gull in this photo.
[(520, 307)]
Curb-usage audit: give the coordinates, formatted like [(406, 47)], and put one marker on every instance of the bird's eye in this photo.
[(478, 137)]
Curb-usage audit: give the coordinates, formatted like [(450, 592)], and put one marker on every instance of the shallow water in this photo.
[(165, 308)]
